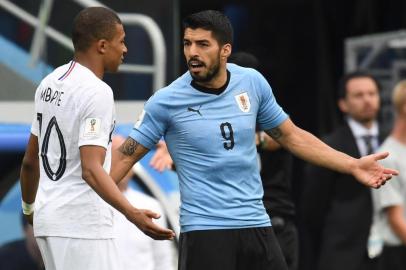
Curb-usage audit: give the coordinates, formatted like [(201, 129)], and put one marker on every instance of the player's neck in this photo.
[(365, 123), (90, 62), (368, 124)]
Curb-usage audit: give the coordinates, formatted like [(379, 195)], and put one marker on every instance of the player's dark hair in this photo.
[(342, 84), (92, 24), (211, 20)]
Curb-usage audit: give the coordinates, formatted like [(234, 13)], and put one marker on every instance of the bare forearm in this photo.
[(397, 222), (92, 160), (98, 179), (120, 166), (124, 157), (400, 230), (29, 179), (308, 147), (29, 174), (366, 170), (317, 152)]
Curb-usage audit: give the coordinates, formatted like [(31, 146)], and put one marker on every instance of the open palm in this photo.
[(370, 173)]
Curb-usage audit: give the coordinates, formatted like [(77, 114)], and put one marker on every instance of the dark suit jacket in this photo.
[(337, 212)]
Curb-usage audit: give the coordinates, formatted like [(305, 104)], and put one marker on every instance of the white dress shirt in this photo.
[(359, 131)]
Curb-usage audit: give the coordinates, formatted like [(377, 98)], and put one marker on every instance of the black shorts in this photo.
[(230, 249), (393, 258)]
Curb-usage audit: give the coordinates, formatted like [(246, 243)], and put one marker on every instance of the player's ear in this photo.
[(342, 104), (102, 46), (225, 51)]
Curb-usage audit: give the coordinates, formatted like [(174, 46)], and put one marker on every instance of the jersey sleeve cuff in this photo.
[(279, 119), (93, 142), (142, 139)]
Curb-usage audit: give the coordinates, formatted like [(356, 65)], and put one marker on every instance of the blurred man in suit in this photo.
[(337, 210)]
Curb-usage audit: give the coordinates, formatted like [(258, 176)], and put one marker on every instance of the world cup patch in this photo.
[(140, 119), (243, 102), (92, 127)]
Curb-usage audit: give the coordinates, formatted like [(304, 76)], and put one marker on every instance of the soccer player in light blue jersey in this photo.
[(208, 118)]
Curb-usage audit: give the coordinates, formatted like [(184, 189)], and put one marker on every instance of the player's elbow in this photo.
[(29, 164), (93, 174), (87, 173)]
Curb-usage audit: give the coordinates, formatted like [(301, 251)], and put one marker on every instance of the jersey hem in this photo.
[(189, 228)]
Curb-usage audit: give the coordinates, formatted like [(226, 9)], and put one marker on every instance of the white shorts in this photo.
[(62, 253)]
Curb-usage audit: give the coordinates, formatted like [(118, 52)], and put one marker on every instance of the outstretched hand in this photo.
[(142, 218), (370, 173)]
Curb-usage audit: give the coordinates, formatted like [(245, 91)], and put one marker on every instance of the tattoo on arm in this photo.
[(129, 146), (275, 133)]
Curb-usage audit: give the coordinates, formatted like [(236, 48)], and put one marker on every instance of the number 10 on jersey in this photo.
[(54, 176)]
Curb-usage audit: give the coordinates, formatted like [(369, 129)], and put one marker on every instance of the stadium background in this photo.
[(300, 44)]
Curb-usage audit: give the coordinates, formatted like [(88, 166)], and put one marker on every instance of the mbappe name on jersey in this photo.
[(51, 96)]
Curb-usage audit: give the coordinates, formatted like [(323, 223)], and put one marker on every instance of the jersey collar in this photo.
[(213, 91)]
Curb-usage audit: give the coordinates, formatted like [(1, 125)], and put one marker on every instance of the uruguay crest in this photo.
[(243, 102)]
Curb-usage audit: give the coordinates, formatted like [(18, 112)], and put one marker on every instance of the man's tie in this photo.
[(368, 143)]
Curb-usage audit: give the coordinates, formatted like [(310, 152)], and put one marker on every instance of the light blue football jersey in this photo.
[(211, 139)]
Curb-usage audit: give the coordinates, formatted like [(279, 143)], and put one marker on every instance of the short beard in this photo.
[(210, 74)]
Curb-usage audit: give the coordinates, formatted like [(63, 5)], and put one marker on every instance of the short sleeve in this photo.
[(270, 114), (152, 123), (96, 119), (35, 128)]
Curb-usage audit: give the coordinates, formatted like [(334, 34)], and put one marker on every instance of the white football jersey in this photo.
[(73, 108)]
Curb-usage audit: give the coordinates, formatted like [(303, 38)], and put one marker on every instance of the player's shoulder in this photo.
[(237, 70), (99, 87), (248, 78), (55, 74), (181, 82), (90, 84), (50, 79), (160, 98), (86, 77), (75, 75)]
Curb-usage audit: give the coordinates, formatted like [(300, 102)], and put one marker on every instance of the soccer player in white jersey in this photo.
[(208, 118), (66, 164)]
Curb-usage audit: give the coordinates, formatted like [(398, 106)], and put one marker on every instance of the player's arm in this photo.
[(29, 177), (397, 221), (306, 146), (92, 159), (124, 158)]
